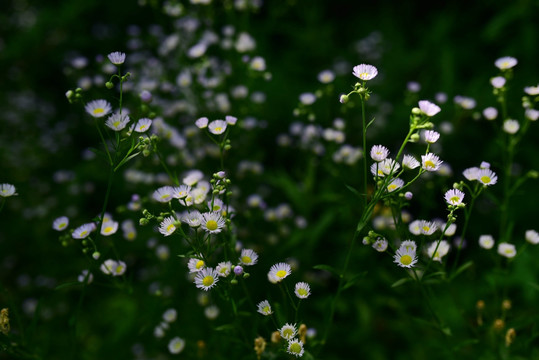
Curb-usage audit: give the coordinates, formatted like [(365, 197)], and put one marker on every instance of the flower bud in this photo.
[(109, 85), (343, 99)]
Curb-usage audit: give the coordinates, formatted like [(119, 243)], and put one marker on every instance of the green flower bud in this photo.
[(109, 85), (143, 221), (416, 111), (343, 99)]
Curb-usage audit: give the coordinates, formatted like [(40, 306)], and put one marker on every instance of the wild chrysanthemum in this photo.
[(193, 219), (217, 205), (379, 153), (143, 125), (224, 268), (415, 227), (431, 136), (192, 177), (181, 192), (206, 279), (410, 162), (438, 249), (395, 184), (302, 290), (117, 58), (532, 237), (531, 114), (217, 126), (511, 126), (380, 245), (428, 227), (486, 241), (202, 122), (428, 108), (117, 122), (506, 62), (113, 267), (471, 173), (288, 331), (326, 76), (231, 120), (163, 194), (167, 226), (497, 82), (532, 90), (490, 113), (295, 347), (60, 223), (264, 308), (109, 228), (365, 72), (248, 257), (507, 250), (212, 222), (307, 98), (195, 265), (170, 315), (279, 271), (409, 245), (83, 231), (176, 345), (487, 177), (405, 256), (454, 197), (7, 190), (431, 162), (98, 108)]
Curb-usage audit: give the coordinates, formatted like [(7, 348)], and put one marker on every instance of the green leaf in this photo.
[(67, 285), (400, 282), (369, 124), (329, 268), (226, 327), (354, 191), (462, 268), (353, 280)]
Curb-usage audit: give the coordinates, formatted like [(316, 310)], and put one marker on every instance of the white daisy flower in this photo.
[(428, 108), (181, 192), (415, 227), (532, 237), (193, 219), (202, 122), (143, 125), (288, 331), (511, 126), (380, 245), (454, 197), (98, 108), (224, 268), (60, 223), (117, 58), (167, 226), (486, 241), (113, 267), (264, 308), (395, 184), (471, 173), (192, 177), (405, 256), (7, 190), (212, 222), (278, 272), (428, 227), (487, 177), (195, 265), (431, 162), (506, 62), (302, 290), (379, 153), (117, 122), (441, 247), (176, 345), (109, 228), (217, 126), (532, 90), (365, 72), (431, 136), (507, 250), (409, 162), (326, 76), (83, 231), (163, 194), (206, 278), (248, 257), (490, 113), (170, 315), (295, 347)]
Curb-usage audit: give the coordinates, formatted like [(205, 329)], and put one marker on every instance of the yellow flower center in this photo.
[(246, 259), (211, 225), (391, 187), (302, 292), (83, 233), (218, 129), (363, 75), (426, 228), (406, 259), (485, 179), (266, 310), (281, 274), (207, 281), (454, 199), (199, 264), (171, 227), (288, 333), (295, 348), (98, 111), (62, 225), (119, 269), (429, 164), (107, 229)]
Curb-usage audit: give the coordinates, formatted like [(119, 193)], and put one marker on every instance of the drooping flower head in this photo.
[(506, 62), (264, 308), (365, 72), (428, 108)]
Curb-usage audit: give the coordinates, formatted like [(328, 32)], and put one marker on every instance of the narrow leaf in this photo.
[(331, 269), (400, 282)]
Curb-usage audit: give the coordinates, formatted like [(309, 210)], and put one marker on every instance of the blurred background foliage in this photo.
[(445, 48)]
